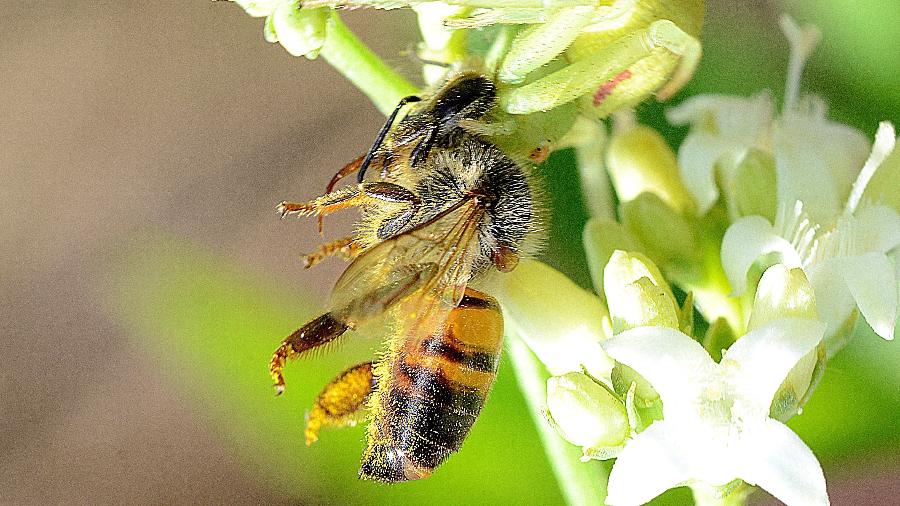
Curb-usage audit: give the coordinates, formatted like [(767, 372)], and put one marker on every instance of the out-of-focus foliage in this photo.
[(212, 328)]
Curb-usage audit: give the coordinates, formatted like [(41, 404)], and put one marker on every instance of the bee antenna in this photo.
[(382, 134)]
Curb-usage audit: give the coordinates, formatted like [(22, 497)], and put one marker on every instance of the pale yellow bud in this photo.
[(585, 413), (301, 31), (639, 160)]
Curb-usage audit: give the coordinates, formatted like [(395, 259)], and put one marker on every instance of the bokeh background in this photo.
[(145, 278)]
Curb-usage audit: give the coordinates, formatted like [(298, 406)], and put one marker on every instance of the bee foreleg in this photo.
[(342, 401), (320, 331), (345, 248), (345, 171)]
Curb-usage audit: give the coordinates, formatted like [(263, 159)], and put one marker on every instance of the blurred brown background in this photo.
[(116, 117), (120, 117)]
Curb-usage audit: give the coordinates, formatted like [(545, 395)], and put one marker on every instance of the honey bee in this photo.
[(447, 208)]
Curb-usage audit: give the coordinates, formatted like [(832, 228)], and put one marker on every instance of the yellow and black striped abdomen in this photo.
[(432, 390)]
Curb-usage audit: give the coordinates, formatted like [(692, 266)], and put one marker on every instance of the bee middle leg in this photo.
[(359, 195), (345, 247), (342, 401), (314, 334)]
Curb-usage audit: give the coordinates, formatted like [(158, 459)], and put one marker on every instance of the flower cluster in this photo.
[(781, 229), (600, 56)]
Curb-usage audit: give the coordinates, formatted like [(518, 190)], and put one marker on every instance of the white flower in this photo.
[(716, 425), (847, 262), (829, 214), (723, 130), (815, 159)]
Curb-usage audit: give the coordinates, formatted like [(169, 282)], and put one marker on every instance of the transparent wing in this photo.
[(425, 268)]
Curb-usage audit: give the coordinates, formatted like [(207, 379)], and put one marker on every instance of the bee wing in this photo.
[(427, 267)]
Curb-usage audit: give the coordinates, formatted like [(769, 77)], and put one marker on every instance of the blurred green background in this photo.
[(146, 280)]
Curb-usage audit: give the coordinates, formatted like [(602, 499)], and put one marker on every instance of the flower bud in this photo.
[(755, 190), (665, 235), (641, 304), (560, 322), (669, 28), (639, 160), (782, 293), (601, 238), (786, 293), (637, 293), (585, 413), (301, 31)]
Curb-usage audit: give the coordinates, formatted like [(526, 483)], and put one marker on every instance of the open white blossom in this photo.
[(847, 262), (815, 159), (716, 425), (829, 215)]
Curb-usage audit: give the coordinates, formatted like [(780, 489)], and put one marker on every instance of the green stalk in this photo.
[(582, 483), (362, 67)]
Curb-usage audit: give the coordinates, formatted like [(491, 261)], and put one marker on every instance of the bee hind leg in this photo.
[(342, 401), (318, 332)]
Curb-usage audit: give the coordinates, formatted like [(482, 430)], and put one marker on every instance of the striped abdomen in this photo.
[(431, 392)]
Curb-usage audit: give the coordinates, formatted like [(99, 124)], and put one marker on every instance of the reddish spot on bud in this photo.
[(540, 153), (607, 88)]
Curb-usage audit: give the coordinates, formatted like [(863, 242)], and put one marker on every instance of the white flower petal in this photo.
[(876, 228), (833, 299), (885, 139), (559, 321), (721, 126), (816, 162), (757, 363), (774, 458), (870, 279), (651, 463), (883, 184), (745, 241), (676, 365)]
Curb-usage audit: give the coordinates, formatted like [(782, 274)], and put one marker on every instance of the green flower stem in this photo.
[(714, 302), (582, 483), (712, 291), (362, 67)]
